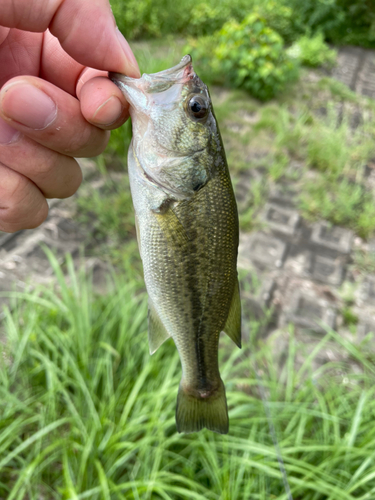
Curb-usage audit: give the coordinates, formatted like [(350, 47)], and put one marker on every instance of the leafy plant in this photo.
[(340, 21), (280, 17), (207, 18), (247, 55), (313, 51)]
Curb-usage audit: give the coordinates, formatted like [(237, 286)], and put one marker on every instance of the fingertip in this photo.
[(87, 75), (103, 104), (131, 67), (112, 52), (108, 112)]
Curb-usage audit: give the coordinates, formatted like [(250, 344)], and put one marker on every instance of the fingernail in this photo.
[(132, 61), (28, 105), (8, 134), (109, 112)]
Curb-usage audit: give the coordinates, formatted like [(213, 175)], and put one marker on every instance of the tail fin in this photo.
[(194, 413)]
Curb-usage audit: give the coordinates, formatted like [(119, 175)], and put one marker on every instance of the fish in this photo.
[(187, 230)]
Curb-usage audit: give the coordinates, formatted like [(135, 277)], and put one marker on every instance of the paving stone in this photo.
[(327, 270), (281, 220), (8, 241), (299, 262), (261, 249), (369, 176), (367, 290), (356, 119), (332, 237), (64, 230), (311, 313), (256, 307), (266, 292), (371, 245), (365, 82), (366, 325), (349, 61), (282, 195)]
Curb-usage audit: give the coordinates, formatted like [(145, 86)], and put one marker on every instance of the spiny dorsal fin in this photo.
[(157, 334), (233, 325)]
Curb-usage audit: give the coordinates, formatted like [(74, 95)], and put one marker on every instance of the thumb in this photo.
[(86, 30)]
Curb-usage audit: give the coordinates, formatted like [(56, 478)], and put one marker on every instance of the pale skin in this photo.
[(54, 106)]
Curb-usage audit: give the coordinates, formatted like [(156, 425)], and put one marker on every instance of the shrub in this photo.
[(313, 51), (206, 18), (281, 18), (145, 19), (340, 21), (248, 55)]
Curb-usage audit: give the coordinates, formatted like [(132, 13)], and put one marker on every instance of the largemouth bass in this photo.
[(187, 229)]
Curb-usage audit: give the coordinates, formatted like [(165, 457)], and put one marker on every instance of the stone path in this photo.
[(356, 68), (302, 270)]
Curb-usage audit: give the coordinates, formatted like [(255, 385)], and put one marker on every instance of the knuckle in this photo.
[(39, 216), (23, 205), (72, 182), (91, 142), (15, 218)]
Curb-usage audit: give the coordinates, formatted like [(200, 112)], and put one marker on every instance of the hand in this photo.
[(53, 105)]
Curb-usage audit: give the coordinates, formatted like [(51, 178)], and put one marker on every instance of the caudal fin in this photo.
[(193, 413)]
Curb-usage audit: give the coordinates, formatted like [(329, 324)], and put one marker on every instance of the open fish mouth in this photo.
[(158, 82)]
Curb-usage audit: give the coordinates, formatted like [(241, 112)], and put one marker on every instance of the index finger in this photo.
[(86, 30)]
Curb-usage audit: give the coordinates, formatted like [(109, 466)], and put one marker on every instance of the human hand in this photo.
[(62, 108)]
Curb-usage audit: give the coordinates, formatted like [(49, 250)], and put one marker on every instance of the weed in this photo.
[(256, 199), (85, 412), (342, 203), (364, 261)]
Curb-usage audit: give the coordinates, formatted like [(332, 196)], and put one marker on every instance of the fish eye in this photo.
[(198, 107)]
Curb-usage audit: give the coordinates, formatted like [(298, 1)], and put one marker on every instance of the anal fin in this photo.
[(233, 325), (157, 334)]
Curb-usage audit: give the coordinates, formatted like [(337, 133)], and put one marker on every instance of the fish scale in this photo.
[(187, 228)]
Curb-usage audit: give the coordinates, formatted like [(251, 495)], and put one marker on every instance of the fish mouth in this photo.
[(157, 82)]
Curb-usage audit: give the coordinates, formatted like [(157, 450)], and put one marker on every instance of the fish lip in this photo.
[(153, 82)]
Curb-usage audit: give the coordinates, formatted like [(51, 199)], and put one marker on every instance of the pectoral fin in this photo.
[(157, 334), (233, 325), (172, 228)]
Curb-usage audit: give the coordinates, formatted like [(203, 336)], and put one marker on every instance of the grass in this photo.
[(85, 412)]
